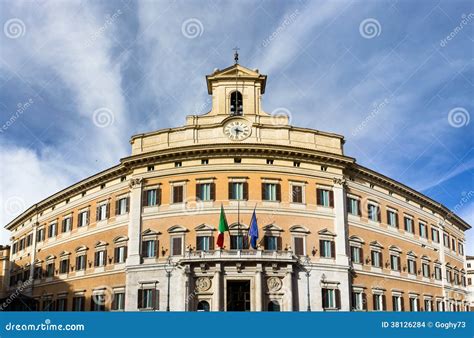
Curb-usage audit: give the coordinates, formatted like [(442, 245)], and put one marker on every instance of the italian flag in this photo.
[(223, 227)]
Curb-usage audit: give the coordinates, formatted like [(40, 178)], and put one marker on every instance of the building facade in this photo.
[(333, 235), (470, 281)]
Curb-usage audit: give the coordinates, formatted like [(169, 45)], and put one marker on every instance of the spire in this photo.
[(236, 54)]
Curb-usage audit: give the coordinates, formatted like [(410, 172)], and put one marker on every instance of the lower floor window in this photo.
[(203, 306), (428, 305), (119, 301), (379, 302), (98, 302), (78, 303), (273, 306), (358, 301), (239, 242), (61, 304), (330, 298), (413, 304), (397, 303), (147, 299)]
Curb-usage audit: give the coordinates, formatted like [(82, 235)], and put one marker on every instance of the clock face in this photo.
[(237, 130)]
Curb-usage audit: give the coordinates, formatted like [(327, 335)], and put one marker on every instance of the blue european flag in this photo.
[(253, 231)]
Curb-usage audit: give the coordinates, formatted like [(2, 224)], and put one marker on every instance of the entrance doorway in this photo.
[(238, 295)]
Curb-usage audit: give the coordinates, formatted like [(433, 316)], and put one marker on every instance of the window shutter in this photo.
[(143, 248), (397, 224), (402, 303), (323, 297), (381, 260), (153, 299), (116, 255), (338, 298), (127, 208), (359, 212), (140, 299), (278, 192), (333, 249), (388, 217), (398, 261), (211, 243), (63, 225), (318, 196), (213, 191), (96, 259), (155, 252), (378, 214), (230, 190), (384, 303), (158, 196), (87, 217), (97, 212), (279, 244), (321, 248), (246, 191), (361, 250), (374, 300), (125, 251), (107, 210), (79, 219), (394, 301), (331, 199), (117, 206), (198, 191), (144, 198), (263, 191), (364, 300)]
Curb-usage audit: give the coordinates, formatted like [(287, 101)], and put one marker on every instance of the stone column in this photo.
[(258, 288), (216, 303), (134, 225), (288, 289)]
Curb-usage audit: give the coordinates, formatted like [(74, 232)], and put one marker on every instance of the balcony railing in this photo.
[(282, 255)]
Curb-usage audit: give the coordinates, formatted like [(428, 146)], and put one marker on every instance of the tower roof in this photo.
[(235, 72)]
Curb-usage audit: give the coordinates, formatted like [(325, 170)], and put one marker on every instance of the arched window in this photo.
[(203, 306), (273, 306), (236, 104)]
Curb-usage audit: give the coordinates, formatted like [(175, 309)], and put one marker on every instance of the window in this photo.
[(409, 225), (446, 240), (395, 262), (177, 246), (330, 298), (81, 262), (353, 206), (269, 161), (272, 242), (38, 272), (29, 240), (149, 248), (237, 160), (238, 242), (325, 197), (118, 303), (122, 206), (425, 267), (204, 243), (67, 224), (120, 254), (236, 107), (178, 164), (150, 168), (411, 266), (428, 305), (40, 235), (61, 304), (423, 232), (296, 164), (437, 271), (376, 257), (297, 194), (326, 248), (178, 194), (151, 197), (238, 190), (48, 305), (78, 303), (206, 191), (83, 219), (147, 299), (203, 306), (98, 302), (358, 300), (299, 246), (356, 254), (100, 258), (102, 212), (397, 302), (64, 266), (273, 306), (414, 306), (271, 192), (374, 213), (453, 246), (50, 270), (205, 161), (434, 235), (379, 302), (449, 277), (52, 230), (439, 305), (461, 249), (392, 218)]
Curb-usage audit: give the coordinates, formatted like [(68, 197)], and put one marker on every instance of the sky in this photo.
[(78, 78)]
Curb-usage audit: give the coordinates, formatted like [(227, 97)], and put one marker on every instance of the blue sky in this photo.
[(78, 78)]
